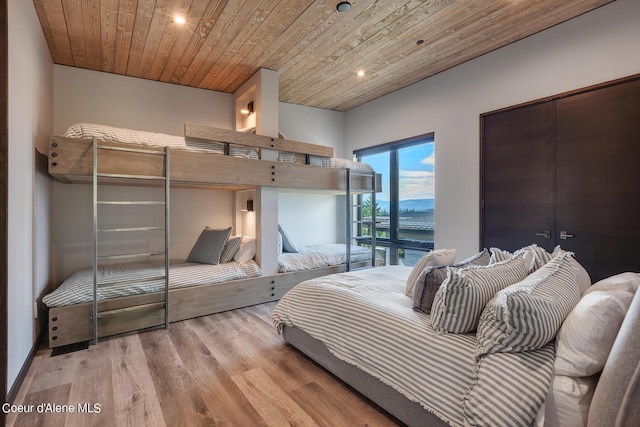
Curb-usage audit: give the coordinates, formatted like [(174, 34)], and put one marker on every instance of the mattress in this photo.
[(365, 319), (319, 256), (154, 139), (78, 288)]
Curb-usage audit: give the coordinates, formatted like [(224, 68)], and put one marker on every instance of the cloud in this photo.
[(431, 160), (416, 185)]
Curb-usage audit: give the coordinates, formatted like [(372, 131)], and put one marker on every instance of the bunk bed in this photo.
[(198, 161), (205, 157)]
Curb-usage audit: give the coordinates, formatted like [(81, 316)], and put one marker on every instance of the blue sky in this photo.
[(416, 172)]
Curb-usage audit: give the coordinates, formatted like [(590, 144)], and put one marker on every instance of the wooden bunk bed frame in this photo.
[(71, 161)]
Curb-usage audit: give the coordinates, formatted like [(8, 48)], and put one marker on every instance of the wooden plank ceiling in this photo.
[(316, 49)]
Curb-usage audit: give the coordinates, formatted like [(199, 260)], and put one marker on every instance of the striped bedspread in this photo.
[(78, 288), (318, 256), (365, 319)]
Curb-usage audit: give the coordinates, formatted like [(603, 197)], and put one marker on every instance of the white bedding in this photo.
[(318, 256), (138, 137), (365, 319), (78, 288)]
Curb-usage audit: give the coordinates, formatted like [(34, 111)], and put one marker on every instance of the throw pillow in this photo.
[(464, 293), (230, 249), (432, 258), (208, 247), (432, 277), (528, 314), (247, 250), (585, 339), (288, 244)]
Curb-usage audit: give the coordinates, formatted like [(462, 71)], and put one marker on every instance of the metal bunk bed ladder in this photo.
[(356, 223), (99, 231)]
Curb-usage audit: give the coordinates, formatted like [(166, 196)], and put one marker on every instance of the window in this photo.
[(405, 206)]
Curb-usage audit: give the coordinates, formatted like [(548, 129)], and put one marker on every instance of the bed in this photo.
[(363, 328), (196, 159), (322, 255), (124, 280)]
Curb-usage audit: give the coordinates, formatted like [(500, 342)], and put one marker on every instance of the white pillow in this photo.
[(247, 250), (432, 258), (568, 401), (585, 339), (624, 281)]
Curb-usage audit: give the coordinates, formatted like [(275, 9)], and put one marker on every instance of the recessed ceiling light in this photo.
[(180, 20), (360, 73), (343, 6)]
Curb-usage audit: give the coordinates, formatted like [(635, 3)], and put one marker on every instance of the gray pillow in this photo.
[(432, 277), (288, 245), (208, 247)]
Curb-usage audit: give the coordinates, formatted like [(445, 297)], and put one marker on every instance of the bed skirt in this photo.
[(408, 412)]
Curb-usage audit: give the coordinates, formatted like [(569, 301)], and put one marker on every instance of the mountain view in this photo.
[(416, 205)]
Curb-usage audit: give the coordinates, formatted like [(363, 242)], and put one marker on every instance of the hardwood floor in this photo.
[(227, 369)]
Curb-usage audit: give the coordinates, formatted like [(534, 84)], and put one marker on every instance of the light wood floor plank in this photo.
[(134, 399), (228, 369), (275, 406)]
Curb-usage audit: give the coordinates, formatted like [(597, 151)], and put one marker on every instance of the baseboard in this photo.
[(15, 388)]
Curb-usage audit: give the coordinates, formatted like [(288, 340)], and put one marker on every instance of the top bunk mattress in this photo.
[(154, 139)]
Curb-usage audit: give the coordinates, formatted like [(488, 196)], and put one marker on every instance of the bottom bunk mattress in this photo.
[(365, 319), (126, 280), (322, 255)]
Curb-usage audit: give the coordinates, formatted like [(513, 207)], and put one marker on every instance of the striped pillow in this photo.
[(462, 296), (499, 398), (527, 315), (535, 255), (432, 277), (432, 258), (230, 249)]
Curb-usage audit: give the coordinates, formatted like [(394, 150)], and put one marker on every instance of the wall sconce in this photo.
[(249, 207), (248, 110)]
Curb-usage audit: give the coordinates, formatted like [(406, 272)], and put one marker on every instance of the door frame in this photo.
[(4, 178)]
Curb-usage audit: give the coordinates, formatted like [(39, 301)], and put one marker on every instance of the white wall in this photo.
[(598, 46), (110, 99), (312, 217), (312, 125), (30, 123), (90, 96)]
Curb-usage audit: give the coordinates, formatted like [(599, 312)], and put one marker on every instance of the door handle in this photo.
[(564, 235), (546, 234)]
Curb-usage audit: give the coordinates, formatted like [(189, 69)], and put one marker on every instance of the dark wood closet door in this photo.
[(518, 177), (598, 178)]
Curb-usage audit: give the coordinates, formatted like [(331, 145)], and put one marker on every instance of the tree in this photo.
[(366, 208)]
